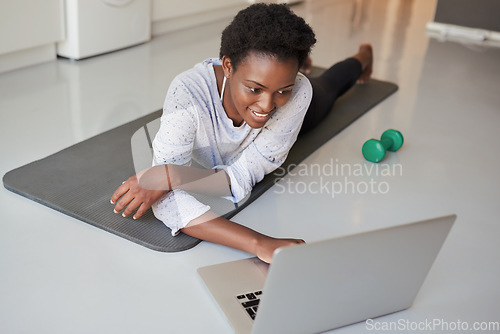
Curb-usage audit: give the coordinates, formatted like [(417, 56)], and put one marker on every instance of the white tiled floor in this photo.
[(447, 107)]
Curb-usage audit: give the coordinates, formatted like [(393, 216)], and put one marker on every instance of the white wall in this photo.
[(171, 15), (168, 9)]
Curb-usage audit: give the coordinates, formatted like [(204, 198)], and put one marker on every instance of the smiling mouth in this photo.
[(261, 115)]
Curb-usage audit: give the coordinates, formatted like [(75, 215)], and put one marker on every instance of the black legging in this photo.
[(334, 82)]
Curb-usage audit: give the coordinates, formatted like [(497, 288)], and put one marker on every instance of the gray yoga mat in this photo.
[(80, 179)]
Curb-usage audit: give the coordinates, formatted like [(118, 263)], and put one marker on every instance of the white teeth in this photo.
[(260, 114)]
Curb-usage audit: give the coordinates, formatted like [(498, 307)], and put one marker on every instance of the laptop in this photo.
[(319, 286)]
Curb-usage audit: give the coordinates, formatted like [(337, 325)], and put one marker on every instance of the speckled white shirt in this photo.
[(195, 127)]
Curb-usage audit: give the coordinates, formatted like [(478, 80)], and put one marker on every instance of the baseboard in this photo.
[(28, 57)]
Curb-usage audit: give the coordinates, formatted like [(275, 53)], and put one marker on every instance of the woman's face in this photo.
[(259, 86)]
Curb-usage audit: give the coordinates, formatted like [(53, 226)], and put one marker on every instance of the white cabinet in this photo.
[(95, 27), (29, 30)]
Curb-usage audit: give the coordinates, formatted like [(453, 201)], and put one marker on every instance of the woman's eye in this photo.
[(284, 92), (254, 90)]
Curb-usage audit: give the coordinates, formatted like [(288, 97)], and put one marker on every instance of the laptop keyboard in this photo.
[(250, 302)]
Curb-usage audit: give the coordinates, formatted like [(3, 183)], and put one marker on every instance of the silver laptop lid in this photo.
[(328, 284)]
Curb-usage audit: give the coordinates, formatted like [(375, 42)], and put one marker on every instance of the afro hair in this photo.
[(270, 29)]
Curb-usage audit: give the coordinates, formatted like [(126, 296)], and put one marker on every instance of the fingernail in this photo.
[(123, 215), (114, 210), (111, 201), (134, 217)]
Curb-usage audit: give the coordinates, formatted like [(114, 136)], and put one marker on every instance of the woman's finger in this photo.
[(123, 201), (119, 192), (142, 209), (131, 207)]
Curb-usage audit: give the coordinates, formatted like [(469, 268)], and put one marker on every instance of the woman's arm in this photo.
[(170, 177), (140, 191), (213, 228), (209, 226)]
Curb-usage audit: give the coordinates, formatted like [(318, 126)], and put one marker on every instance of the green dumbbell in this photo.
[(374, 150)]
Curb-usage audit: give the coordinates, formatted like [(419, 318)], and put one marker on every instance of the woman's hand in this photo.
[(132, 196), (267, 245)]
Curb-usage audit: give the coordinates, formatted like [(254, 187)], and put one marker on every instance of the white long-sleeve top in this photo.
[(194, 126)]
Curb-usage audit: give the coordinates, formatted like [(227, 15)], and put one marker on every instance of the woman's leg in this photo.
[(334, 82)]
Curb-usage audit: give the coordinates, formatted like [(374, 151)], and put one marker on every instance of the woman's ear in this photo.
[(226, 66)]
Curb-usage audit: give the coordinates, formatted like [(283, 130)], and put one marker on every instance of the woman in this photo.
[(237, 116)]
